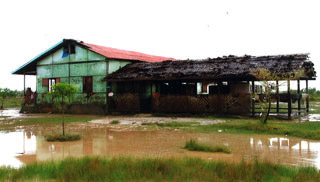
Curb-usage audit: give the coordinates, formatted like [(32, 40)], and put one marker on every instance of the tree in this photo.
[(268, 79), (4, 92), (62, 93)]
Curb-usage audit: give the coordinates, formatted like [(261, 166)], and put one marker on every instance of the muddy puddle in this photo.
[(10, 113), (23, 147), (311, 118)]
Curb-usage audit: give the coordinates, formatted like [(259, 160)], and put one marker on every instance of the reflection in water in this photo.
[(304, 152), (24, 147), (16, 145), (311, 118)]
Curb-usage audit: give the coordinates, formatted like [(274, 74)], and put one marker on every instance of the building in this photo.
[(81, 64), (219, 85), (113, 80)]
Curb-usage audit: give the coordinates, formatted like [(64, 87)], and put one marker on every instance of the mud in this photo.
[(132, 139), (10, 114), (27, 147), (139, 119)]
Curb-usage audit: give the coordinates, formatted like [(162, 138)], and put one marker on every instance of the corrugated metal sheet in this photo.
[(30, 67), (124, 54)]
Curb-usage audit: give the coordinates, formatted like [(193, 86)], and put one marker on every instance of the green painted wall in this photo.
[(83, 63)]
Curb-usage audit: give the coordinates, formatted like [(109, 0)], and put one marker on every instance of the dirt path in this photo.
[(138, 120)]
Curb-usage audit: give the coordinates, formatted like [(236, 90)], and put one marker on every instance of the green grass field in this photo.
[(12, 102), (128, 169)]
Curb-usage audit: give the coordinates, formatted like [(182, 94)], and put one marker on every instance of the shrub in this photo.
[(114, 122), (193, 145), (62, 138)]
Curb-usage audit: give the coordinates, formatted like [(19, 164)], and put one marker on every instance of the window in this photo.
[(68, 49), (48, 82), (87, 84)]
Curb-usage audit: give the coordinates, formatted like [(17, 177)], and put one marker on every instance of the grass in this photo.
[(114, 122), (47, 120), (128, 169), (248, 125), (308, 130), (193, 145), (12, 102), (172, 124), (62, 138)]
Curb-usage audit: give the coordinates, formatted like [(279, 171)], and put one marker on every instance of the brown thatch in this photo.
[(221, 68)]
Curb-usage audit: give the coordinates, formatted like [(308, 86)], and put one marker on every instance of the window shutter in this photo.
[(45, 82), (57, 80), (89, 84), (204, 87)]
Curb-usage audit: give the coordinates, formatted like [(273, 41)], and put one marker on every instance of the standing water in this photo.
[(21, 147)]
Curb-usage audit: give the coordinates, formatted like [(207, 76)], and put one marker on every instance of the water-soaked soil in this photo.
[(26, 147), (139, 119), (130, 138)]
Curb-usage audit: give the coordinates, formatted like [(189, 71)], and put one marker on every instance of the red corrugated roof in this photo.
[(123, 54)]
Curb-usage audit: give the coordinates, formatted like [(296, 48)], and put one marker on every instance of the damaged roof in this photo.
[(30, 67), (221, 68)]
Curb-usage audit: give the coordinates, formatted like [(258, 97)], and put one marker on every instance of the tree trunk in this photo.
[(62, 117)]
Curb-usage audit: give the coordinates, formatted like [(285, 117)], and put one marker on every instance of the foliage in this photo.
[(114, 122), (129, 169), (193, 145), (314, 94), (267, 79), (12, 102), (63, 93), (62, 138)]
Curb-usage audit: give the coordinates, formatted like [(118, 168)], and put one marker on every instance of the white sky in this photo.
[(179, 29)]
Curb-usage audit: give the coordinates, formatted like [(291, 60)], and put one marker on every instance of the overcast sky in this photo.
[(179, 29)]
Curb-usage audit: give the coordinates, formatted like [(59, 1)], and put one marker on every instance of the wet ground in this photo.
[(22, 147), (133, 140), (147, 118), (10, 113)]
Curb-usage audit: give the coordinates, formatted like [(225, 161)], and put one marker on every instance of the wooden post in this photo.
[(219, 96), (299, 95), (69, 73), (307, 99), (252, 99), (277, 95), (24, 84), (107, 89), (289, 100)]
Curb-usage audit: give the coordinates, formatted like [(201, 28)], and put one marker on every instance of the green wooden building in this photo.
[(82, 64)]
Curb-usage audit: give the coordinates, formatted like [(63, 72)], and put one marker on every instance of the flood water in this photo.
[(23, 147), (10, 113)]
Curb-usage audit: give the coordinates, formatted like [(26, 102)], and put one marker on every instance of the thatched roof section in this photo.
[(221, 68)]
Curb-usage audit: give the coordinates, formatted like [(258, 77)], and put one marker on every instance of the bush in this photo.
[(193, 145), (114, 122), (62, 138)]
